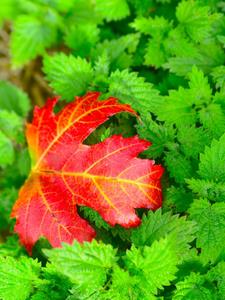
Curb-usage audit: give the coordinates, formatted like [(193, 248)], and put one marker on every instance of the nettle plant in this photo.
[(114, 188)]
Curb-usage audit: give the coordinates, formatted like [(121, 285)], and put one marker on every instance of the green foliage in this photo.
[(18, 278), (6, 150), (155, 267), (68, 75), (86, 266), (210, 220), (32, 34), (193, 288), (112, 10), (166, 59), (157, 225), (133, 90), (13, 99)]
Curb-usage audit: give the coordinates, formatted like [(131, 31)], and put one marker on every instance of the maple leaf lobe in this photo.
[(108, 176)]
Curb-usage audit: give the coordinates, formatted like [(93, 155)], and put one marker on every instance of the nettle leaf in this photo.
[(178, 165), (54, 286), (218, 75), (211, 172), (107, 177), (11, 247), (157, 225), (176, 108), (112, 10), (189, 136), (206, 56), (211, 228), (177, 198), (156, 27), (81, 38), (195, 19), (160, 135), (131, 89), (156, 265), (119, 51), (212, 161), (192, 287), (18, 277), (13, 99), (124, 286), (86, 265), (7, 153), (7, 199), (208, 115), (155, 53), (68, 75), (31, 36), (11, 125), (199, 86), (217, 273), (211, 190)]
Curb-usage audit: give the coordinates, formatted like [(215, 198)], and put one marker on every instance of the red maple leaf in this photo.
[(108, 177)]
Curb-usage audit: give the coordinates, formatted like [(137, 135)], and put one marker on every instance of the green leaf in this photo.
[(207, 189), (85, 265), (206, 56), (81, 12), (119, 51), (176, 108), (55, 286), (208, 115), (94, 217), (211, 228), (157, 225), (156, 264), (112, 10), (11, 125), (192, 140), (11, 247), (18, 277), (156, 27), (155, 53), (179, 166), (69, 76), (218, 75), (212, 161), (126, 287), (178, 197), (133, 90), (7, 198), (195, 19), (217, 274), (59, 5), (212, 173), (30, 37), (193, 288), (24, 162), (177, 43), (13, 99), (81, 38), (142, 7), (200, 88), (102, 66), (161, 136), (6, 150), (9, 10)]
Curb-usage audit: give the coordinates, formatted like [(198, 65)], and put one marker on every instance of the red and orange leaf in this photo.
[(108, 177)]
